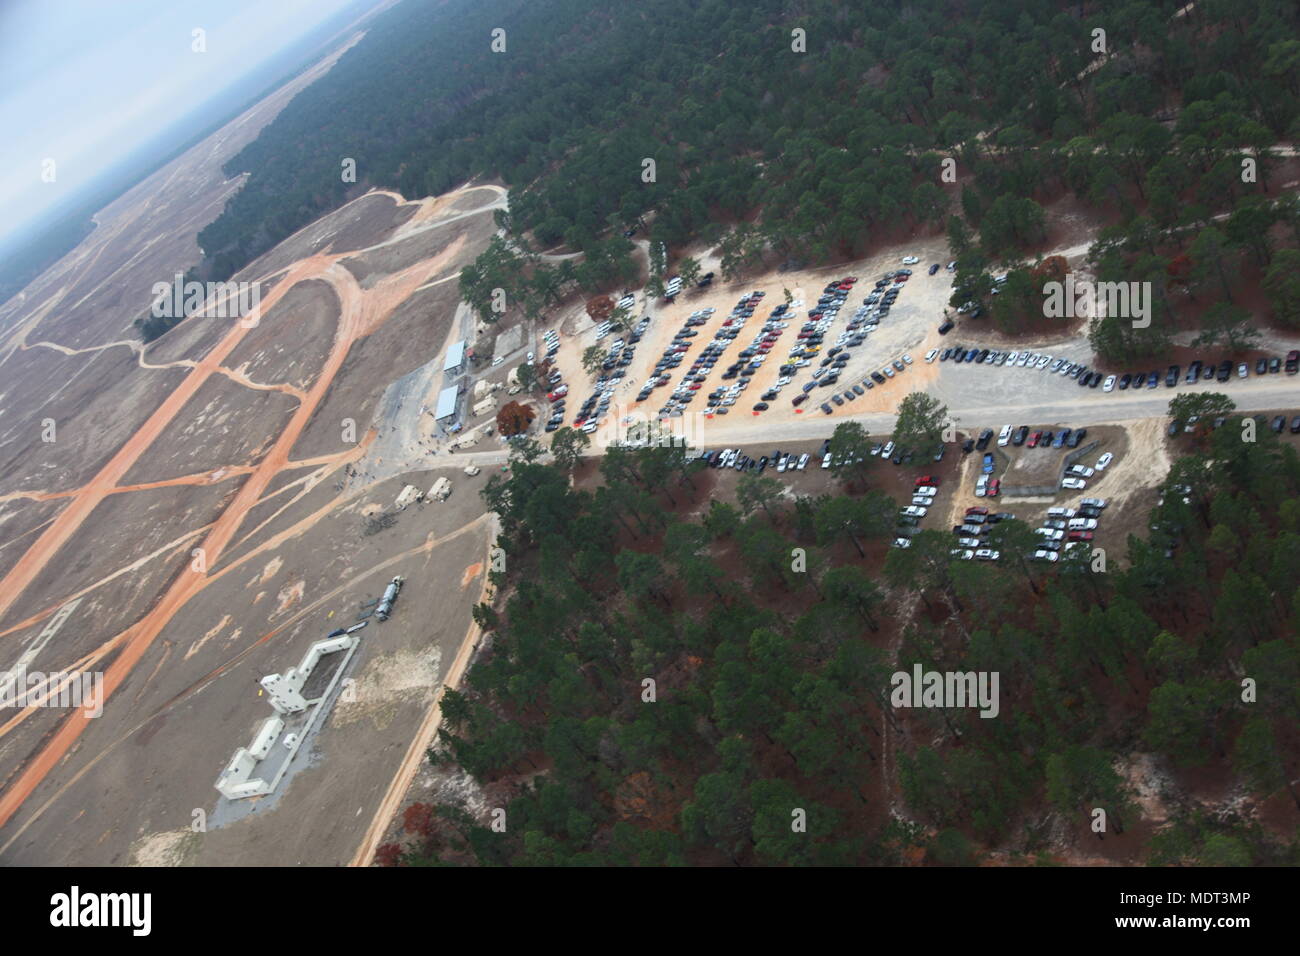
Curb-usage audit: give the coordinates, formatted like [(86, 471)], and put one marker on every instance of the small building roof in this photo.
[(455, 356), (446, 403)]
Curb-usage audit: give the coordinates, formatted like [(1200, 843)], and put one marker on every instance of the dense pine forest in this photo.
[(811, 155), (770, 629)]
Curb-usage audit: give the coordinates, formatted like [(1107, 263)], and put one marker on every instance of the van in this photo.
[(1004, 436)]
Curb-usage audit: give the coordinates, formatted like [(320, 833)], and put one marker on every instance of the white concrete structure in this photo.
[(257, 769)]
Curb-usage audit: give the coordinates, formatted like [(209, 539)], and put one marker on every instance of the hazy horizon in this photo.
[(79, 82)]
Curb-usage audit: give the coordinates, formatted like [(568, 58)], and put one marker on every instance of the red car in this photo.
[(926, 480), (994, 485), (977, 511), (1079, 536), (1034, 439)]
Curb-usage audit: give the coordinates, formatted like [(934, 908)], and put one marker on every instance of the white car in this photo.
[(926, 491), (1047, 556), (1051, 534), (1109, 384), (1081, 471), (907, 358), (1013, 357), (910, 260), (1026, 358), (1083, 524), (1061, 512), (803, 462), (965, 554), (887, 450), (969, 542), (929, 356), (923, 501), (1074, 484), (1094, 502), (826, 461), (902, 542), (498, 360), (915, 511), (987, 554), (1004, 436), (1043, 360), (888, 370), (982, 486), (1104, 461)]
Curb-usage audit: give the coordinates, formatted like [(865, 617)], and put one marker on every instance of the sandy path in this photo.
[(423, 739)]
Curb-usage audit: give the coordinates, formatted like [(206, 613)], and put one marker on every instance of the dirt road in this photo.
[(361, 312)]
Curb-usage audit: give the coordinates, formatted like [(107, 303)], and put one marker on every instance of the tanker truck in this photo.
[(386, 602)]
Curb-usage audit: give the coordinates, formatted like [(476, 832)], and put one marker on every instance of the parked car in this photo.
[(1074, 484), (1104, 461)]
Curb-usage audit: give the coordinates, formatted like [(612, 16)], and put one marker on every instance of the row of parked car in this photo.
[(1278, 424), (720, 400), (874, 307), (925, 489), (1066, 528), (673, 355), (977, 522), (1197, 371), (555, 381), (614, 368), (736, 459)]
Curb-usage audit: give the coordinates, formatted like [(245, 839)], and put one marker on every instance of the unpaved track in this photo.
[(361, 312), (423, 739)]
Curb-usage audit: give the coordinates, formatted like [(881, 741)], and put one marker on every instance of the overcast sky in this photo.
[(87, 82)]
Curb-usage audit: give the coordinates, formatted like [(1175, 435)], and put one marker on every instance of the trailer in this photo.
[(386, 602)]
